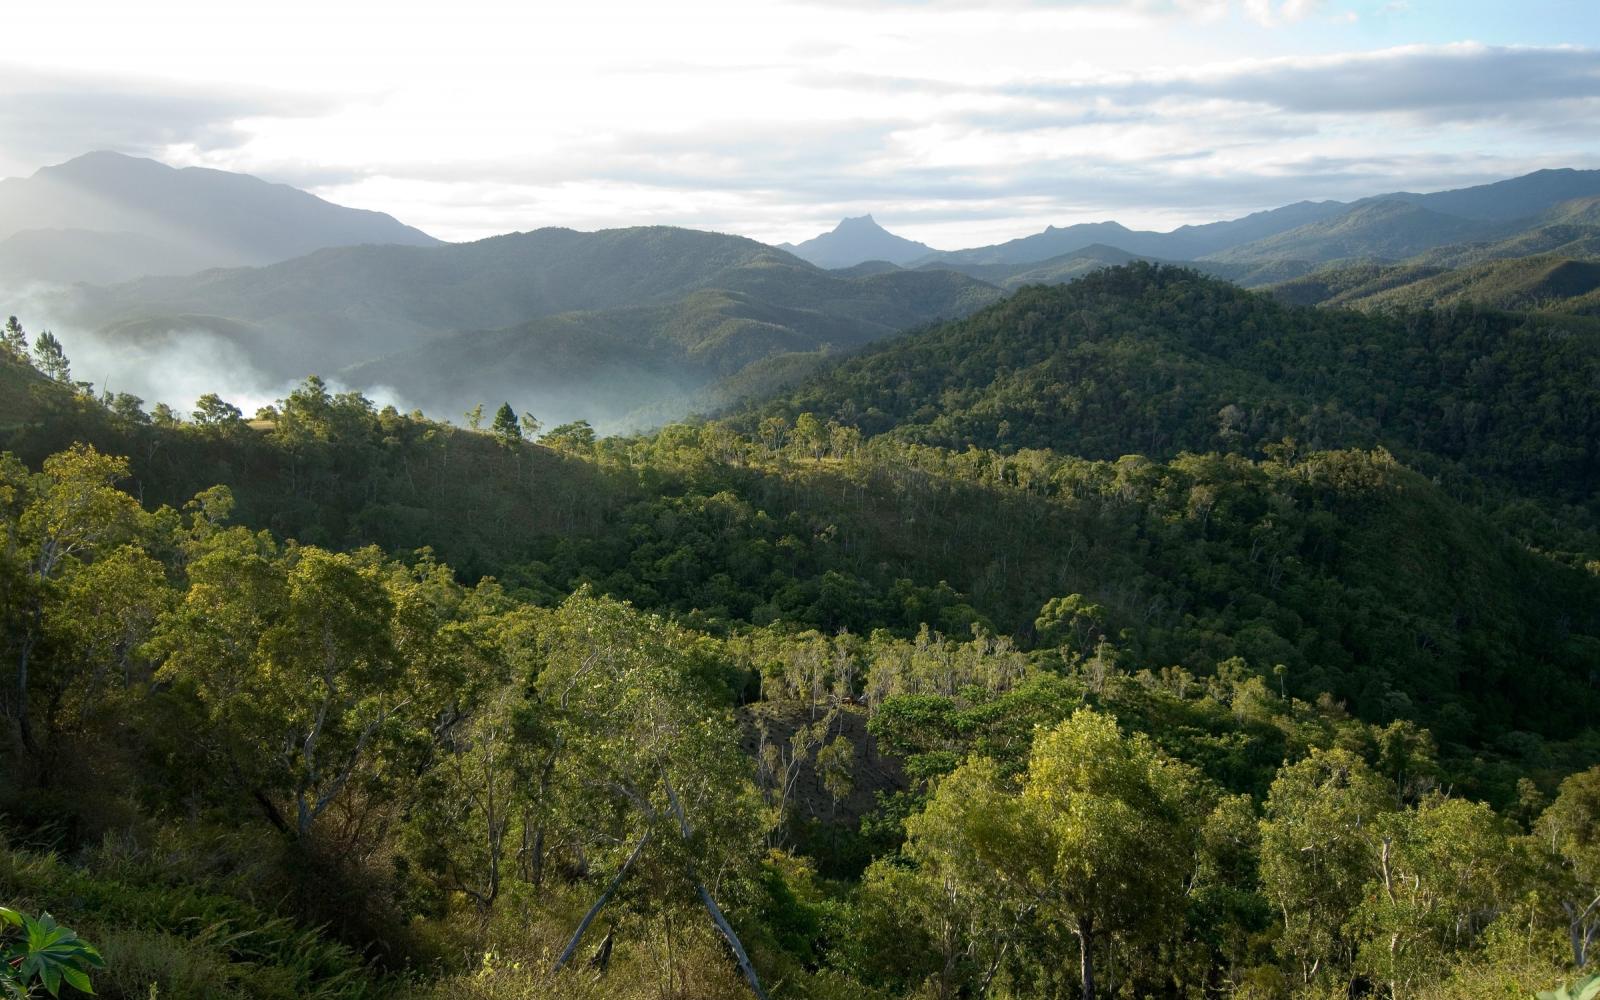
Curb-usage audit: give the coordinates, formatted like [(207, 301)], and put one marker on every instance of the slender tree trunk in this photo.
[(723, 927), (599, 904), (1086, 956), (24, 724)]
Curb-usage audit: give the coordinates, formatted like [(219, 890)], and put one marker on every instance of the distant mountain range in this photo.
[(1384, 227), (629, 327), (104, 217)]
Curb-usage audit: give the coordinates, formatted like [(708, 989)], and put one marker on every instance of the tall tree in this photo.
[(1570, 832), (68, 515), (51, 358), (505, 424), (1320, 847), (13, 341), (1099, 839)]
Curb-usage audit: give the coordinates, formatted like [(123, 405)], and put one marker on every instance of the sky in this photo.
[(953, 122)]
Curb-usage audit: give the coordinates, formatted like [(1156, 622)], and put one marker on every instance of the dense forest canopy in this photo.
[(1139, 637)]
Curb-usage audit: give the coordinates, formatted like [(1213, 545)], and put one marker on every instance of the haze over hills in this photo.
[(595, 325), (105, 217)]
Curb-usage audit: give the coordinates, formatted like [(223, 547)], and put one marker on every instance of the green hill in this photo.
[(1157, 360)]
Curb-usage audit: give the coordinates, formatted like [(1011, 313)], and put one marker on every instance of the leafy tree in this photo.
[(1320, 848), (66, 516), (211, 410), (475, 416), (1445, 871), (577, 437), (51, 358), (1569, 830), (1099, 840)]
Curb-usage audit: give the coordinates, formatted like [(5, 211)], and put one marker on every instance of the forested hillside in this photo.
[(1158, 361), (1137, 637)]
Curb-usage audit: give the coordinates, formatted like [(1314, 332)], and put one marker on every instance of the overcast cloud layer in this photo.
[(953, 122)]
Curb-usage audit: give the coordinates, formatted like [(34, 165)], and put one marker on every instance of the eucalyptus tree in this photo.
[(62, 519), (1320, 847), (648, 754), (1444, 871), (1569, 832), (1097, 843)]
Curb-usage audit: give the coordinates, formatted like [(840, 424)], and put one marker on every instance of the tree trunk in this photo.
[(723, 927), (728, 935), (1086, 957), (599, 904), (24, 724)]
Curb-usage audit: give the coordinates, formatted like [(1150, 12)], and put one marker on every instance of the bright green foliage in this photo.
[(1445, 870), (39, 951), (1099, 841), (1587, 988), (271, 736), (1321, 844), (1569, 831)]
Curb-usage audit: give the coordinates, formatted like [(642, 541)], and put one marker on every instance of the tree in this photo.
[(505, 424), (212, 410), (293, 657), (836, 763), (71, 512), (1445, 870), (1569, 831), (1099, 839), (475, 416), (648, 752), (810, 436), (531, 426), (1070, 622), (1319, 850), (14, 341), (51, 358), (576, 437)]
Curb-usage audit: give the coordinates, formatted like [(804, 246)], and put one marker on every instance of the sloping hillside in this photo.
[(1547, 283)]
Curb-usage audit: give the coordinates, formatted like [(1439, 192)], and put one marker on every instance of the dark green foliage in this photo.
[(1156, 361)]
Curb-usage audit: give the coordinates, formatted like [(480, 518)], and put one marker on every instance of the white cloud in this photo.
[(965, 120)]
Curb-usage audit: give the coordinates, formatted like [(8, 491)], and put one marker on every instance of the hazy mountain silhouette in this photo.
[(855, 241), (105, 217), (592, 325)]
